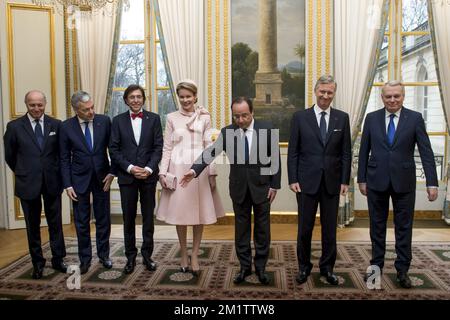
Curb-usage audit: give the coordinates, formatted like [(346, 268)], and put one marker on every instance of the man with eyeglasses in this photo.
[(255, 174)]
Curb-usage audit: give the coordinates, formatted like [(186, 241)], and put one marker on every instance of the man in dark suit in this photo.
[(386, 169), (255, 176), (32, 153), (136, 149), (85, 170), (319, 159)]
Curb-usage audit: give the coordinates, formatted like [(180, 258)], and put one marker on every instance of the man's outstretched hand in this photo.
[(188, 176)]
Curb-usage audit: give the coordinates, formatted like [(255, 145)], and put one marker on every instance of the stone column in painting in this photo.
[(268, 78)]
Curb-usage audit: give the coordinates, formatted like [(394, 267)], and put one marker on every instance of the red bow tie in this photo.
[(135, 115)]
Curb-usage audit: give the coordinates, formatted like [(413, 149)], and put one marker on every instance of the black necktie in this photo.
[(323, 127), (38, 133), (246, 148)]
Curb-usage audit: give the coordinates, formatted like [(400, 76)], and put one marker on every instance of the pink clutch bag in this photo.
[(171, 181)]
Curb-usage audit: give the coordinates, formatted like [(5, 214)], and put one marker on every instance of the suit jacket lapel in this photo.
[(47, 127), (78, 131), (331, 124), (253, 152), (129, 126), (312, 121), (29, 129), (144, 127), (382, 125), (97, 126), (401, 123)]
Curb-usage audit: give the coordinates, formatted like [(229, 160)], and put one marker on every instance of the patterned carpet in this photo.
[(430, 274)]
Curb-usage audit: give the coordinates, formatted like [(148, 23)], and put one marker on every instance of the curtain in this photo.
[(114, 52), (182, 28), (438, 13), (95, 37), (358, 32)]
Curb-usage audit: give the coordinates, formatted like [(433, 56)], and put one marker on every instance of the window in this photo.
[(140, 61), (406, 54)]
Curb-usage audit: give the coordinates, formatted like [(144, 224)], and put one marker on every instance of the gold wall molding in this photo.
[(12, 94), (218, 53), (319, 39), (217, 109), (227, 59), (209, 54), (10, 35), (309, 52)]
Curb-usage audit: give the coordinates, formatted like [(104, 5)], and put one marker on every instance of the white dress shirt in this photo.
[(396, 118), (136, 124), (33, 122), (318, 111), (249, 134)]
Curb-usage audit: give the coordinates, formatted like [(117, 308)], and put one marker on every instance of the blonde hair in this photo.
[(188, 85)]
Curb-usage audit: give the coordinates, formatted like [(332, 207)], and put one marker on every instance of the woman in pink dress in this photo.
[(187, 134)]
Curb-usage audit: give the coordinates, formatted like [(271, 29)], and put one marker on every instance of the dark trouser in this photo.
[(129, 194), (307, 208), (403, 205), (82, 217), (32, 212), (261, 232)]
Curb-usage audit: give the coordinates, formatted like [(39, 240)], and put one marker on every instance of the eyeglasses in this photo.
[(243, 116)]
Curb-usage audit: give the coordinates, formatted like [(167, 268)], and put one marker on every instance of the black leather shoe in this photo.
[(330, 277), (262, 277), (302, 276), (129, 267), (37, 272), (149, 264), (240, 276), (404, 280), (84, 267), (107, 263), (60, 266)]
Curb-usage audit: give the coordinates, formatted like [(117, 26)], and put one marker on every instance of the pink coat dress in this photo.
[(186, 136)]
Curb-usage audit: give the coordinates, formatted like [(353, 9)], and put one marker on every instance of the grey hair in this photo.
[(393, 83), (325, 79), (79, 96), (33, 91)]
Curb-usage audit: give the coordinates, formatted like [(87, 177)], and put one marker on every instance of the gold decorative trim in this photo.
[(149, 14), (67, 63), (218, 69), (328, 36), (154, 75), (319, 18), (226, 62), (9, 18), (397, 74), (209, 40), (310, 35), (75, 59), (415, 33), (133, 41), (389, 35)]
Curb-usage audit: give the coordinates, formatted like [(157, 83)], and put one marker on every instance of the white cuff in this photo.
[(149, 170)]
